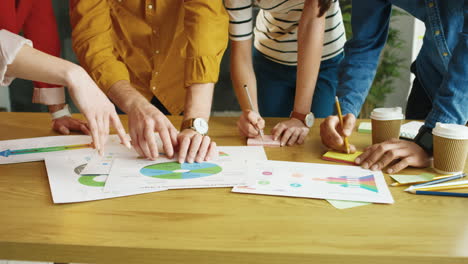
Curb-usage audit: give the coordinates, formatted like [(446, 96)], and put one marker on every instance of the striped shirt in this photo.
[(277, 25)]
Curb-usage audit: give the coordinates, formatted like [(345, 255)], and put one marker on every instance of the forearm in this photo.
[(370, 24), (310, 45), (450, 105), (32, 64), (125, 96), (242, 73), (198, 100)]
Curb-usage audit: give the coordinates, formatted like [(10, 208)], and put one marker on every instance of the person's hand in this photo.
[(249, 123), (143, 120), (195, 147), (404, 153), (96, 108), (65, 124), (290, 132), (332, 133)]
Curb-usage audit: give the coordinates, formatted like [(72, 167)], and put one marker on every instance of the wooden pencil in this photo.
[(340, 116), (454, 194), (439, 188)]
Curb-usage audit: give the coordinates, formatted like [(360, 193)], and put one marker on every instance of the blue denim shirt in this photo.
[(442, 63)]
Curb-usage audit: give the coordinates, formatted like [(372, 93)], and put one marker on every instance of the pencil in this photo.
[(454, 194), (395, 184), (438, 185), (441, 186), (338, 109), (260, 131), (436, 181)]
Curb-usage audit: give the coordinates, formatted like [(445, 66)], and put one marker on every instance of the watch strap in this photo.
[(307, 119), (298, 115), (187, 124), (65, 111), (424, 139)]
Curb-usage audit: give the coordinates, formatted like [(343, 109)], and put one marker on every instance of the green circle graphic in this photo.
[(88, 180), (177, 171)]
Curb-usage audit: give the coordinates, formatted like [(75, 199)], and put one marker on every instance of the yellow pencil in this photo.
[(338, 109), (448, 187), (411, 183)]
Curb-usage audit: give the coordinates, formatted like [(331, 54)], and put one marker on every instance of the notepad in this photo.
[(340, 204), (365, 127), (341, 157), (267, 141), (410, 129), (413, 178)]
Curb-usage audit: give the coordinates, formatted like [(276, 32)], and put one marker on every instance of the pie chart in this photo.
[(177, 171)]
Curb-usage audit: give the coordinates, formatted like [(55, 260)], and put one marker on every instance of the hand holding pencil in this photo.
[(250, 123), (335, 130)]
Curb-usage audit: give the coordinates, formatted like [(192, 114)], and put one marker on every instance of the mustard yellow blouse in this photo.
[(160, 46)]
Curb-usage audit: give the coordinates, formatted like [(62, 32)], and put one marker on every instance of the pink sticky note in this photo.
[(267, 141)]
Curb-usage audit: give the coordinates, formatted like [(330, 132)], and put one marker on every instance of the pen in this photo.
[(260, 131), (338, 108)]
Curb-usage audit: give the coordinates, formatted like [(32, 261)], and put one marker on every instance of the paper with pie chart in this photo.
[(312, 180), (227, 171), (68, 186)]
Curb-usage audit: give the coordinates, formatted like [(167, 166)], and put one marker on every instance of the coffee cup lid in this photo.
[(392, 113), (452, 131)]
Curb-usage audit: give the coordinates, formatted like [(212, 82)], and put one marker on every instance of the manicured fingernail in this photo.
[(374, 167), (357, 160), (390, 171), (365, 165)]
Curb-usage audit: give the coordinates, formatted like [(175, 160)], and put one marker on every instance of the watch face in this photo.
[(200, 125), (309, 119)]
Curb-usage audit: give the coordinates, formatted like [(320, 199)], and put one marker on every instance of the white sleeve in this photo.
[(10, 45), (240, 19)]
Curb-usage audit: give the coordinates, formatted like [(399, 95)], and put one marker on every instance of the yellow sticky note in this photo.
[(341, 157)]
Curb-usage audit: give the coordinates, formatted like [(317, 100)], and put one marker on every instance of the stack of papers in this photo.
[(77, 174)]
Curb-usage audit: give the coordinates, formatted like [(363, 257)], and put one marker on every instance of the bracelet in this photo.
[(61, 113)]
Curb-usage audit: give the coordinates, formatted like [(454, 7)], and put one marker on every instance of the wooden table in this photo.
[(217, 226)]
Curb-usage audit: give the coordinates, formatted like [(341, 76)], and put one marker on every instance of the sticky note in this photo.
[(413, 178), (365, 127), (341, 157), (340, 204), (267, 141)]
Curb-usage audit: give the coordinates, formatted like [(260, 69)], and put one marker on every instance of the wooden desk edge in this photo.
[(117, 255)]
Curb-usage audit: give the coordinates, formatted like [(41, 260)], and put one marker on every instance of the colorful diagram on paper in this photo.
[(365, 182), (223, 154), (91, 180), (177, 171), (10, 152)]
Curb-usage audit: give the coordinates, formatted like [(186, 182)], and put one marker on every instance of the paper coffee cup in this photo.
[(450, 148), (386, 123)]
